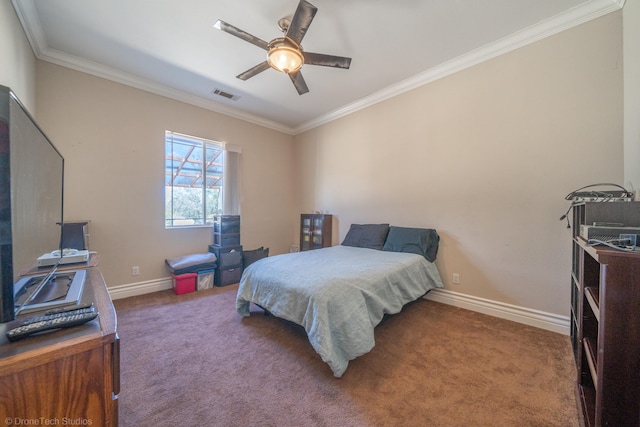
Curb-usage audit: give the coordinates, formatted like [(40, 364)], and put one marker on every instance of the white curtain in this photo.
[(231, 194)]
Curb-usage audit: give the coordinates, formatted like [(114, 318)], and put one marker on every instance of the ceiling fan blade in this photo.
[(301, 21), (299, 83), (326, 60), (254, 70), (235, 31)]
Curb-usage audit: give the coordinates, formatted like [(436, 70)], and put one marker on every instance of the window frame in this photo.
[(206, 216)]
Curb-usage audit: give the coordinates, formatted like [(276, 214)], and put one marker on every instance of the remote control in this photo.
[(53, 314), (47, 325), (67, 308)]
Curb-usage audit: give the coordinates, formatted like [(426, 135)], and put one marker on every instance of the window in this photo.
[(194, 171)]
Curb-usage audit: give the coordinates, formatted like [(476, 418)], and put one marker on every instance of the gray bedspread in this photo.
[(338, 294)]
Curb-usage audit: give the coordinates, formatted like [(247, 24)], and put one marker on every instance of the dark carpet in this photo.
[(191, 360)]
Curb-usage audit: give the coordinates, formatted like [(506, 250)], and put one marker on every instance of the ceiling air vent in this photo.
[(224, 94)]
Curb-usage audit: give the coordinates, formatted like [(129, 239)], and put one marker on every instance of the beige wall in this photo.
[(112, 138), (631, 25), (17, 62), (486, 157)]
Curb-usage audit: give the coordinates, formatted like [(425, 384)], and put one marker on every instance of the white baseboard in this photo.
[(527, 316), (140, 288)]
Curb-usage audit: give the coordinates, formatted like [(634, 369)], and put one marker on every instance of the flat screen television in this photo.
[(31, 212)]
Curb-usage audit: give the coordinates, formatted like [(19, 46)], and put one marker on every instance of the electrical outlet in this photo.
[(135, 270), (456, 279)]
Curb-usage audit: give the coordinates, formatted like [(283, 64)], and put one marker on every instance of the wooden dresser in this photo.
[(605, 320), (65, 377)]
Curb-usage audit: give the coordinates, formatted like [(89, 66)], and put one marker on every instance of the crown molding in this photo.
[(569, 19), (100, 70), (28, 16)]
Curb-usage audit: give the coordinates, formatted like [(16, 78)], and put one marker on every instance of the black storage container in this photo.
[(226, 230), (226, 224), (228, 256), (226, 246), (226, 239), (227, 276)]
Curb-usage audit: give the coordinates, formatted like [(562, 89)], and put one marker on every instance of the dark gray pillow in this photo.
[(366, 236), (421, 241), (251, 256)]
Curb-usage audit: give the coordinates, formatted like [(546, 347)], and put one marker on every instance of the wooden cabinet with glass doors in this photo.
[(315, 231)]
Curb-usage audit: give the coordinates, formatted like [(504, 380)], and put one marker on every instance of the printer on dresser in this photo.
[(227, 248)]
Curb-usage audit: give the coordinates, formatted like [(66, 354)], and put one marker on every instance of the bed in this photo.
[(340, 293)]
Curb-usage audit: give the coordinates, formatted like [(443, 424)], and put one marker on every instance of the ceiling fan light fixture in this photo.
[(285, 58), (285, 54)]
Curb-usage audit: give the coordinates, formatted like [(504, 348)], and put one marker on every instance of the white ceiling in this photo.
[(171, 48)]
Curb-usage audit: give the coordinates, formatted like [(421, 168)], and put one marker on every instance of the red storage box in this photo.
[(185, 283)]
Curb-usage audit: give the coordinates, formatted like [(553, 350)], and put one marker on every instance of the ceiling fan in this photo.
[(285, 54)]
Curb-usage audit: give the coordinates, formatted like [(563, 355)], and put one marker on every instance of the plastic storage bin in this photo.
[(228, 276), (226, 224), (205, 279), (184, 283), (227, 256), (226, 239)]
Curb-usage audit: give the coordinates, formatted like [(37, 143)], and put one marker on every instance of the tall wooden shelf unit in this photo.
[(605, 320), (315, 231)]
